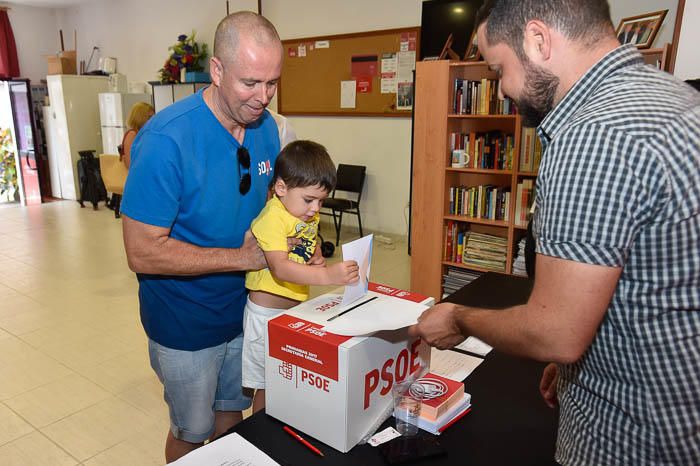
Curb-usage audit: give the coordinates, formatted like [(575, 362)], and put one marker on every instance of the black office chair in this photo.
[(351, 179)]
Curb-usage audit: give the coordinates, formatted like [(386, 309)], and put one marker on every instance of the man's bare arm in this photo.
[(558, 323), (151, 250)]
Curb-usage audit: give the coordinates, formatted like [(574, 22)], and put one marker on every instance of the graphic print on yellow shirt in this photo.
[(271, 229)]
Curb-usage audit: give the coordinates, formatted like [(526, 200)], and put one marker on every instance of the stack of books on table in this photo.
[(444, 402)]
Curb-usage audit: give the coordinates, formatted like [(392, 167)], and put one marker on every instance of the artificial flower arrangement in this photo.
[(8, 170), (187, 54)]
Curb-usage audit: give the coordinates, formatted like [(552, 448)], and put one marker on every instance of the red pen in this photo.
[(444, 428), (301, 439)]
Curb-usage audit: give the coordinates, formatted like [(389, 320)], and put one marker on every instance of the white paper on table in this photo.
[(347, 94), (231, 450), (474, 345), (382, 313), (359, 251), (453, 365)]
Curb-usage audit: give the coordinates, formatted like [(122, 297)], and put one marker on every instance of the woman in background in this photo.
[(139, 114)]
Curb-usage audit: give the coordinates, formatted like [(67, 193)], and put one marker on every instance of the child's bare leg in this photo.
[(259, 400)]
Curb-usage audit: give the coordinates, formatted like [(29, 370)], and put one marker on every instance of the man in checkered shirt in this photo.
[(616, 299)]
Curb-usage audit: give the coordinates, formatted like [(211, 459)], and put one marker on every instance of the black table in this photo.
[(509, 423)]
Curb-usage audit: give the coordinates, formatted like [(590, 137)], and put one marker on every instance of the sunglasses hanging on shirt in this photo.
[(243, 161)]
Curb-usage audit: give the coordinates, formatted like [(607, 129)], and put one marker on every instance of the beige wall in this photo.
[(36, 36), (688, 58), (138, 33), (383, 145)]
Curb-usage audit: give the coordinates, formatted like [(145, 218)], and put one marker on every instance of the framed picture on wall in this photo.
[(472, 53), (640, 30)]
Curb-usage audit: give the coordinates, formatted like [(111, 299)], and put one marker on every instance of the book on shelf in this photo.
[(524, 196), (455, 278), (519, 261), (460, 246), (530, 150), (456, 234), (492, 150), (487, 251), (484, 201), (471, 248), (479, 97)]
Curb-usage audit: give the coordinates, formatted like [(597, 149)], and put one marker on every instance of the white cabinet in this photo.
[(73, 124), (166, 94), (114, 111)]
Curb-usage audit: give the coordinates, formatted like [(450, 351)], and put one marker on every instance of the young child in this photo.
[(304, 175)]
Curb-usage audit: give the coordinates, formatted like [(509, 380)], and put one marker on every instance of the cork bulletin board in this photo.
[(316, 68)]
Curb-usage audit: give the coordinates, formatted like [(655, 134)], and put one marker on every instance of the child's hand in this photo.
[(344, 273)]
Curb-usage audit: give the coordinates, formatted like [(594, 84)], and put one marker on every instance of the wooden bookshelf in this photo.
[(659, 57), (434, 121)]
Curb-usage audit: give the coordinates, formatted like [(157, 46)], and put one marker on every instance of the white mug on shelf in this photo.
[(459, 158)]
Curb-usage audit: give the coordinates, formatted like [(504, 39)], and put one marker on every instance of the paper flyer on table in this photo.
[(474, 345), (359, 251), (453, 365), (231, 450)]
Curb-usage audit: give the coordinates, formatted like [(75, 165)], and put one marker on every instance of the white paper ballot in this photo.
[(372, 314), (231, 450), (359, 251), (474, 345), (453, 365)]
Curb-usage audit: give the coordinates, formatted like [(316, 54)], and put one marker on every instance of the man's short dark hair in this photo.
[(305, 163), (583, 20)]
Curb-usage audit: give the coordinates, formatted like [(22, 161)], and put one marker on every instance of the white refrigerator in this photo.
[(73, 124), (114, 110)]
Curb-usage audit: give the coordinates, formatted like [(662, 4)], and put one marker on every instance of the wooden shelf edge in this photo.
[(456, 64), (480, 221), (484, 171), (478, 116), (476, 268)]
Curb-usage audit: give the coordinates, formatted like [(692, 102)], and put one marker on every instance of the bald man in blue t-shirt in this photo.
[(199, 175)]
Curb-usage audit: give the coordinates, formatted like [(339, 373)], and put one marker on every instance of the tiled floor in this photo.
[(75, 383)]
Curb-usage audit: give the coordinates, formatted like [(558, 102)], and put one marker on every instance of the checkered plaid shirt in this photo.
[(619, 186)]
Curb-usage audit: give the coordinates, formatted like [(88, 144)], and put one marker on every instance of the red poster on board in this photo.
[(363, 65)]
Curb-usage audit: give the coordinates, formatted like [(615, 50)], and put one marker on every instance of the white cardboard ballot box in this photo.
[(336, 388)]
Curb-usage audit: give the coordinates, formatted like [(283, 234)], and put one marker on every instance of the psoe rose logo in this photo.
[(287, 370)]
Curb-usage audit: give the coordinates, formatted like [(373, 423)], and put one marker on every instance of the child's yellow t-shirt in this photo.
[(272, 228)]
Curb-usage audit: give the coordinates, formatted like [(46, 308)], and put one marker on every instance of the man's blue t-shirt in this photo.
[(185, 176)]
